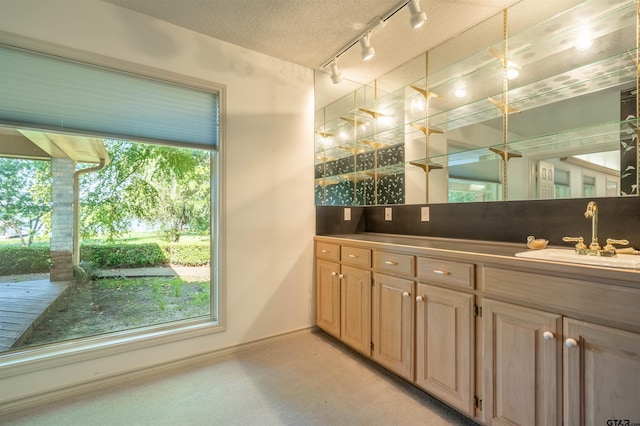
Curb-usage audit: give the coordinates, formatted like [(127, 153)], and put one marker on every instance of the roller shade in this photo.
[(57, 94)]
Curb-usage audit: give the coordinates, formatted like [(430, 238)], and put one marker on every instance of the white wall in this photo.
[(269, 217)]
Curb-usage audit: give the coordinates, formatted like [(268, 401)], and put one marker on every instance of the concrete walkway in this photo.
[(168, 271)]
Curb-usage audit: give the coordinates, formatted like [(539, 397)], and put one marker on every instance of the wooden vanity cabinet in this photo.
[(601, 374), (393, 315), (522, 355), (328, 288), (445, 345), (343, 294), (355, 308), (547, 368), (505, 341)]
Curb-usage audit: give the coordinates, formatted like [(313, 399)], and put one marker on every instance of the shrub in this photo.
[(187, 254), (28, 260), (24, 260), (140, 255), (122, 255)]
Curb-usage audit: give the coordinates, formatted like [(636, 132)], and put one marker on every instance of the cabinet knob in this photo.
[(324, 251), (341, 276), (391, 262), (571, 343), (548, 335), (441, 272), (405, 294), (419, 299), (353, 256), (334, 273)]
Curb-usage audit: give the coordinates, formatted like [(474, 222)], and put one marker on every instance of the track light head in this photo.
[(336, 76), (417, 16), (368, 52)]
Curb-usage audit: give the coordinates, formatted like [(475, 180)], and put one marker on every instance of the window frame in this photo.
[(30, 359)]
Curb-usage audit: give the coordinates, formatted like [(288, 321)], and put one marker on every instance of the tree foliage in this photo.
[(163, 187), (25, 197)]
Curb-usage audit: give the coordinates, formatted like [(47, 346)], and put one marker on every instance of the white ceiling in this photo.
[(311, 32)]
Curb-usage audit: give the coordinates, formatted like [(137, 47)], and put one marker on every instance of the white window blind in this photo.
[(63, 95)]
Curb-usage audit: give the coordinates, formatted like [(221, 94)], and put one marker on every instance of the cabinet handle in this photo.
[(441, 272), (324, 251), (353, 256), (341, 276), (405, 294), (548, 335), (571, 343), (391, 262), (333, 274), (419, 299)]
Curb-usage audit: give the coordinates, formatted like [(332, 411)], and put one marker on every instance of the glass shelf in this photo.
[(418, 125)]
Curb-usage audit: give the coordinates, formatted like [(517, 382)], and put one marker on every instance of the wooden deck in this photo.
[(22, 305)]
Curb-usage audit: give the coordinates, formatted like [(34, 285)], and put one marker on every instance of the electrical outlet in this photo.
[(424, 214), (387, 213), (347, 213)]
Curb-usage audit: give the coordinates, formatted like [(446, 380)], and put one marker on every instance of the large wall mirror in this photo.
[(533, 103)]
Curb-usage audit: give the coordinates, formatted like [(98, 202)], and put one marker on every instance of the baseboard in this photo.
[(106, 382)]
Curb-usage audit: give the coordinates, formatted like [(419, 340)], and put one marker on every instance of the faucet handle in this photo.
[(611, 242), (580, 241)]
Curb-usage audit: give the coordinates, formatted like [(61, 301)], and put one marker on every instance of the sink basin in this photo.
[(569, 255)]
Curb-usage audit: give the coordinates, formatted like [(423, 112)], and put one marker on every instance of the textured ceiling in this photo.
[(310, 32)]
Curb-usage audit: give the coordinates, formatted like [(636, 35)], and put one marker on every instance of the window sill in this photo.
[(74, 351)]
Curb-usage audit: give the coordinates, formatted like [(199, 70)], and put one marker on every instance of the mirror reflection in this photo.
[(529, 104)]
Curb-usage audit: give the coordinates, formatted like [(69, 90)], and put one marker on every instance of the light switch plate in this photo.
[(424, 214), (388, 213), (347, 213)]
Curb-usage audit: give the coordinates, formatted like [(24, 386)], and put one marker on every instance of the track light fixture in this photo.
[(417, 19), (368, 52), (336, 76), (417, 16)]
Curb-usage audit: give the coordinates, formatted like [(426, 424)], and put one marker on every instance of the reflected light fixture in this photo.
[(368, 52), (417, 16), (512, 73), (460, 92), (336, 76), (584, 42)]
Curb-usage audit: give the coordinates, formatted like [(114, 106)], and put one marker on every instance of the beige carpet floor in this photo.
[(307, 379)]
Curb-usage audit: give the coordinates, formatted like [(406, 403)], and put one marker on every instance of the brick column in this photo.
[(61, 248)]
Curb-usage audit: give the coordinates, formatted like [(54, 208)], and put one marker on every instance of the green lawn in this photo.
[(129, 238)]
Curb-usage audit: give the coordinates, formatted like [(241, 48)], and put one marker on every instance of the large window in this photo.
[(108, 201)]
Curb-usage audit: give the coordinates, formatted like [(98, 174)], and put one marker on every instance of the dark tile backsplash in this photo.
[(511, 221)]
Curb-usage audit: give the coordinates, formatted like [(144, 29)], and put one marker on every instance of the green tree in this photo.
[(181, 201), (25, 197), (165, 187)]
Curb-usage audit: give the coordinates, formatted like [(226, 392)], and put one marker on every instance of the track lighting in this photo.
[(367, 51), (417, 19), (336, 76), (417, 16)]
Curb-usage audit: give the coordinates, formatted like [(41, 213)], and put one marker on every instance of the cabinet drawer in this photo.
[(393, 263), (445, 272), (356, 256), (328, 251)]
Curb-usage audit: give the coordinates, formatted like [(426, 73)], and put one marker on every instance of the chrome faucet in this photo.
[(592, 213)]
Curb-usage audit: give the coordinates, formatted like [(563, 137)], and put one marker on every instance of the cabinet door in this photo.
[(601, 375), (393, 324), (444, 339), (522, 349), (355, 326), (328, 297)]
